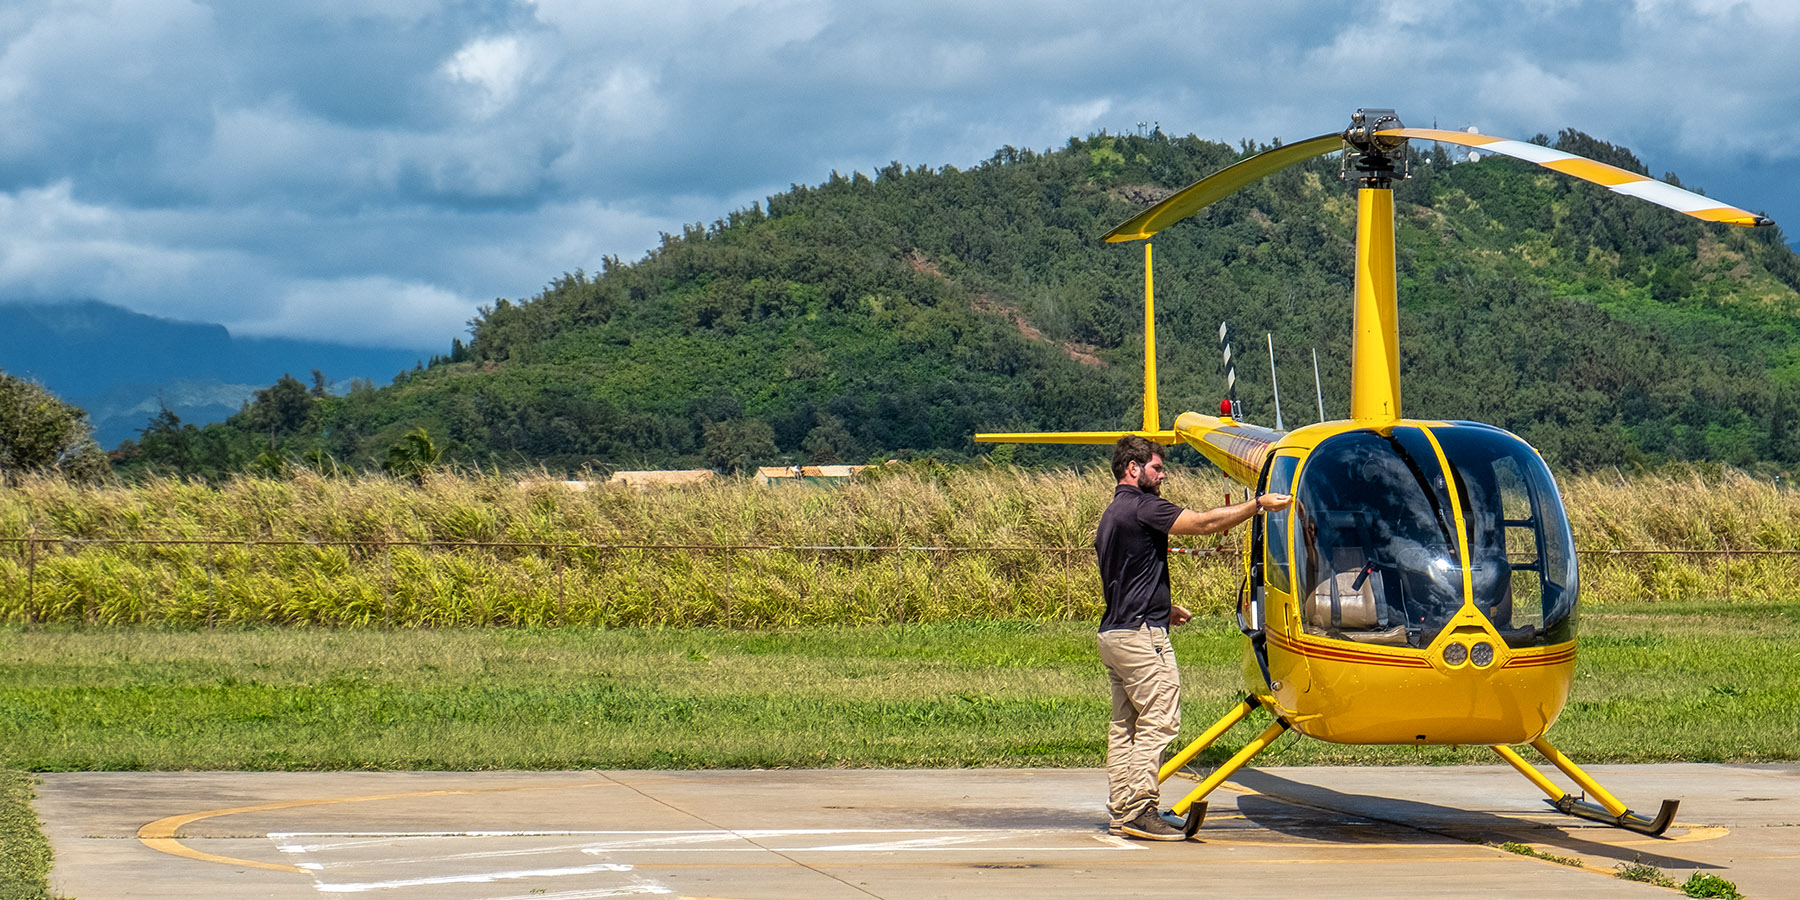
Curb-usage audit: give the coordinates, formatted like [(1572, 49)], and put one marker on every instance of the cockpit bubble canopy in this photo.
[(1382, 532)]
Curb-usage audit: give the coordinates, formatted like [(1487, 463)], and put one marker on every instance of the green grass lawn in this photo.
[(1654, 683), (24, 855)]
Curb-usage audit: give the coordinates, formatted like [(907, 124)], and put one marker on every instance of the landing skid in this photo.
[(1194, 803), (1196, 816), (1603, 807), (1629, 821), (1607, 809)]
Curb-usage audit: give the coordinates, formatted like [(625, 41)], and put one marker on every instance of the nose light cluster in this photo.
[(1481, 654)]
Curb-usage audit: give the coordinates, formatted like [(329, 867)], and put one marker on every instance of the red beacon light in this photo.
[(1224, 409)]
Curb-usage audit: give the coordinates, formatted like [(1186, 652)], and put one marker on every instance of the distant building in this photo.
[(660, 478), (806, 474)]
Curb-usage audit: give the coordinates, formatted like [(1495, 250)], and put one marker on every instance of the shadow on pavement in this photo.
[(1317, 813)]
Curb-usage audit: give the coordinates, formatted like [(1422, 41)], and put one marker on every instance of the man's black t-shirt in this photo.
[(1133, 545)]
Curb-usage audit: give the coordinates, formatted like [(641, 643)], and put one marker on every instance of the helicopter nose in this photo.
[(1469, 643)]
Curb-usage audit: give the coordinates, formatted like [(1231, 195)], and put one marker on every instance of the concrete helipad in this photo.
[(994, 834)]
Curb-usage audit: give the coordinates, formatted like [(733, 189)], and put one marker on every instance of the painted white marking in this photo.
[(755, 832), (290, 835), (932, 843), (1527, 152), (973, 840), (1665, 194), (785, 832), (658, 841), (482, 878), (585, 846), (898, 846)]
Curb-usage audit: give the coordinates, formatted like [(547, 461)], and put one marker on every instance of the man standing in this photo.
[(1133, 545)]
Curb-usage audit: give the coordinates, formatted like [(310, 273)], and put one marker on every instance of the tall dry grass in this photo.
[(908, 546), (1696, 535)]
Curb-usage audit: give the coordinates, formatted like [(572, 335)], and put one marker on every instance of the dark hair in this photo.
[(1133, 449)]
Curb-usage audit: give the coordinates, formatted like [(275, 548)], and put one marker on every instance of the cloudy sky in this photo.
[(372, 170)]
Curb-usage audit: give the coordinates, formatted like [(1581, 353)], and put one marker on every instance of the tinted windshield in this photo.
[(1380, 545), (1522, 556)]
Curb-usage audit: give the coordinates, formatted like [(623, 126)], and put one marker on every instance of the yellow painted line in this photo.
[(160, 834)]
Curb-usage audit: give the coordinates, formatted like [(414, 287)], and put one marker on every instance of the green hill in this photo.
[(899, 313)]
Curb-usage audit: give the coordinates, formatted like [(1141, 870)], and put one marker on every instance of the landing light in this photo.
[(1456, 654), (1483, 654)]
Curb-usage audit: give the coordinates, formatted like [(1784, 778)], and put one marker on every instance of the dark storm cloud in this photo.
[(278, 166)]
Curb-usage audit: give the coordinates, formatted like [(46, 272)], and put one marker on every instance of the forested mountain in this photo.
[(900, 312), (122, 366)]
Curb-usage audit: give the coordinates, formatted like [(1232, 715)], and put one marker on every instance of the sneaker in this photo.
[(1151, 825)]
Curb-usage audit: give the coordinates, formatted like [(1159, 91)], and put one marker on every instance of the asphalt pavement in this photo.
[(1313, 832)]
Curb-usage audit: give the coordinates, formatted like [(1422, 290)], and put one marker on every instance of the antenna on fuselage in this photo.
[(1317, 386), (1231, 402), (1274, 386)]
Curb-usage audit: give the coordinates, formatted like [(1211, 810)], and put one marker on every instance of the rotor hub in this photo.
[(1376, 157)]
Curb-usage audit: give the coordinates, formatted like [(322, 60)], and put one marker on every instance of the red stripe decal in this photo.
[(1348, 654)]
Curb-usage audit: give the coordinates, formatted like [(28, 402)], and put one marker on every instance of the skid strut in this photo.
[(1194, 804), (1607, 809)]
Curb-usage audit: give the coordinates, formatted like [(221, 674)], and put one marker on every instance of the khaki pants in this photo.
[(1146, 716)]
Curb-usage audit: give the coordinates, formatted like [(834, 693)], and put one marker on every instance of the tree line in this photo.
[(894, 314)]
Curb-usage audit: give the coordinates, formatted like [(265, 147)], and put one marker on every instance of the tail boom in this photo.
[(1236, 448)]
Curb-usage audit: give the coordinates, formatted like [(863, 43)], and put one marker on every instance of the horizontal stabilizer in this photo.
[(1073, 437)]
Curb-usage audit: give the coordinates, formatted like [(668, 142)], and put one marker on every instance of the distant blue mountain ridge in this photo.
[(122, 366)]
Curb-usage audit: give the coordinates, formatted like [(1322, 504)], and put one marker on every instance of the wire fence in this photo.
[(214, 582)]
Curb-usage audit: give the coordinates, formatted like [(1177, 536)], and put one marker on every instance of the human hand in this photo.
[(1178, 615), (1273, 502)]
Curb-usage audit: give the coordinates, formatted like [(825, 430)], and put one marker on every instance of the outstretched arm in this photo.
[(1225, 518)]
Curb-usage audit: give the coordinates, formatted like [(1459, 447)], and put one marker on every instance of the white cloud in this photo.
[(371, 311), (495, 67), (273, 166), (58, 247)]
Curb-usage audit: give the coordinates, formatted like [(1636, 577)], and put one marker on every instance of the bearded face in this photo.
[(1150, 475)]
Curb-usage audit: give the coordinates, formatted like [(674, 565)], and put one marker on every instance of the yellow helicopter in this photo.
[(1422, 587)]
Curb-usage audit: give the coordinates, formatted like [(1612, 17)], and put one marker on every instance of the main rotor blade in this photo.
[(1613, 178), (1219, 185)]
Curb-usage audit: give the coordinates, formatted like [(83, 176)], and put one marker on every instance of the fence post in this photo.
[(1727, 576), (211, 585), (213, 600), (30, 572), (1068, 611), (899, 595), (387, 584), (941, 560), (561, 604), (87, 607), (601, 557), (729, 573)]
